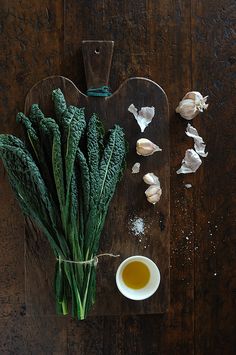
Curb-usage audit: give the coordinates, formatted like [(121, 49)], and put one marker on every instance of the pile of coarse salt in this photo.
[(137, 226)]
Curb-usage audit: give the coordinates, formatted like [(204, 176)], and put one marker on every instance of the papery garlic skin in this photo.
[(136, 168), (151, 179), (192, 103), (147, 112), (145, 147), (190, 163), (199, 144), (144, 116)]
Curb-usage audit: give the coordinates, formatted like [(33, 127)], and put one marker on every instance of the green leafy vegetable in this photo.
[(64, 178)]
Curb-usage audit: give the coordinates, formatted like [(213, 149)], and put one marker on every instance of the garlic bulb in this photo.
[(145, 147), (187, 109), (136, 168), (191, 104), (151, 179), (153, 194), (198, 99)]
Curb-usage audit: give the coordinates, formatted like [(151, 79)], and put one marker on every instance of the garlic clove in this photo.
[(145, 147), (155, 198), (136, 168), (151, 179), (152, 190), (190, 163), (143, 117), (153, 194)]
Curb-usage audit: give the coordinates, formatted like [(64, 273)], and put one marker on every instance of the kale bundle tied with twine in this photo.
[(64, 177)]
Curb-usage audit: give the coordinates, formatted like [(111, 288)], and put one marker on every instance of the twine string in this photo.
[(102, 91), (91, 261)]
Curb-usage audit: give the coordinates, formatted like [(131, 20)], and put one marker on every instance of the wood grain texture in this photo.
[(97, 57), (174, 38), (182, 45), (128, 203), (215, 192)]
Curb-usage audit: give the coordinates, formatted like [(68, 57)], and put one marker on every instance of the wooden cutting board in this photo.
[(129, 202)]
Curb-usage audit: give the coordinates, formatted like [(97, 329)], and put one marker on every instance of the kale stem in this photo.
[(64, 306)]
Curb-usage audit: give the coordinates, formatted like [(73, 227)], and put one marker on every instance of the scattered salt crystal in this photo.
[(215, 273), (187, 238), (137, 226)]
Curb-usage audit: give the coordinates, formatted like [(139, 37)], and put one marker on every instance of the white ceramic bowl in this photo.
[(142, 293)]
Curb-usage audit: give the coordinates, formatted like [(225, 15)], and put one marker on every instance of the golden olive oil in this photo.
[(136, 275)]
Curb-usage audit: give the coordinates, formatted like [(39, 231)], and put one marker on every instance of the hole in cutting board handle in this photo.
[(97, 57)]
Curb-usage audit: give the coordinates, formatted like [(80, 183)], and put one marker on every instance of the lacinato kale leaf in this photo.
[(64, 178)]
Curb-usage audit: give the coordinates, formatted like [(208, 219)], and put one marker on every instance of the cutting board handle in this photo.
[(97, 56)]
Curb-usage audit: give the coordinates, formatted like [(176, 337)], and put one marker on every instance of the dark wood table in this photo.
[(182, 45)]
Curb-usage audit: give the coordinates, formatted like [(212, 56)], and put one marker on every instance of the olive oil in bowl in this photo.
[(136, 275)]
